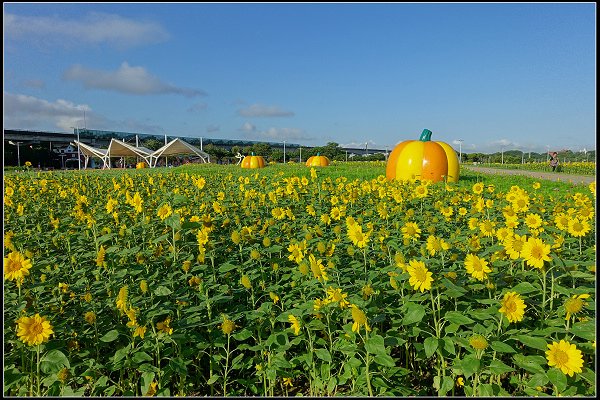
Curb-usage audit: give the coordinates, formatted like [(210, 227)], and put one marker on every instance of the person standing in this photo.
[(554, 160)]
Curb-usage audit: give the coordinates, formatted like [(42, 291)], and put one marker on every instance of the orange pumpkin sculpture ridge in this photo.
[(317, 161), (423, 159), (253, 161)]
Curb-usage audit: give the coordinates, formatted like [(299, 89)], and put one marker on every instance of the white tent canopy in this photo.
[(177, 147), (118, 148)]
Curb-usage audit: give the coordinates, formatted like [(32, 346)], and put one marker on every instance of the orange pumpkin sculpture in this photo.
[(423, 159), (317, 161), (253, 161)]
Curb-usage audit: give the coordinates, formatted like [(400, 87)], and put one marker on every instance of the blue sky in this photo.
[(494, 75)]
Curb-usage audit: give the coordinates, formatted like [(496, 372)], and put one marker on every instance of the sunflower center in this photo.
[(477, 266), (510, 306), (536, 252), (36, 329), (577, 227), (14, 266), (574, 305), (421, 274), (561, 357)]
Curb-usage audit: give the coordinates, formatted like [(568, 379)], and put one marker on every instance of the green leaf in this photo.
[(384, 360), (469, 365), (110, 336), (242, 335), (524, 288), (54, 361), (585, 330), (449, 345), (528, 364), (497, 367), (162, 291), (539, 379), (534, 342), (414, 313), (323, 354), (375, 345), (430, 344), (502, 347), (140, 356), (447, 385), (557, 378), (226, 267), (485, 390), (457, 317)]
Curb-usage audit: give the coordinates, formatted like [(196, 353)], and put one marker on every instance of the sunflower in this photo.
[(535, 252), (122, 298), (359, 318), (478, 342), (513, 245), (487, 228), (139, 331), (477, 267), (575, 304), (245, 281), (295, 324), (317, 268), (421, 191), (16, 267), (227, 326), (411, 230), (478, 188), (34, 330), (578, 228), (337, 296), (533, 220), (435, 244), (359, 239), (297, 252), (513, 307), (420, 277), (100, 258), (90, 317), (565, 356)]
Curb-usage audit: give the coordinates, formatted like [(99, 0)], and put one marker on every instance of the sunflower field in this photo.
[(212, 280)]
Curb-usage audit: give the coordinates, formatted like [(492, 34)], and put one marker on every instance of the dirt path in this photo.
[(553, 176)]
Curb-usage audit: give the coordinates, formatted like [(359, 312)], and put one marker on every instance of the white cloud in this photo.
[(259, 110), (28, 112), (213, 128), (34, 83), (248, 127), (24, 112), (281, 134), (198, 107), (94, 28), (126, 79), (361, 145)]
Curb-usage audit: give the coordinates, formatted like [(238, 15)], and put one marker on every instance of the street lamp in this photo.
[(460, 150), (18, 151), (76, 130)]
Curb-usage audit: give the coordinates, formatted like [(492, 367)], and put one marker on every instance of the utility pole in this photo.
[(18, 144), (460, 150), (284, 151)]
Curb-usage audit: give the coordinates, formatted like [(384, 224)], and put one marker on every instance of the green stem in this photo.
[(39, 393), (226, 367)]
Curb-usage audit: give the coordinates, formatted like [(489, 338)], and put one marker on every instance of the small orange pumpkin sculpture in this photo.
[(423, 159), (317, 161), (253, 161)]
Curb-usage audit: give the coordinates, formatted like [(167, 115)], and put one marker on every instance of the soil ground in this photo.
[(553, 176)]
